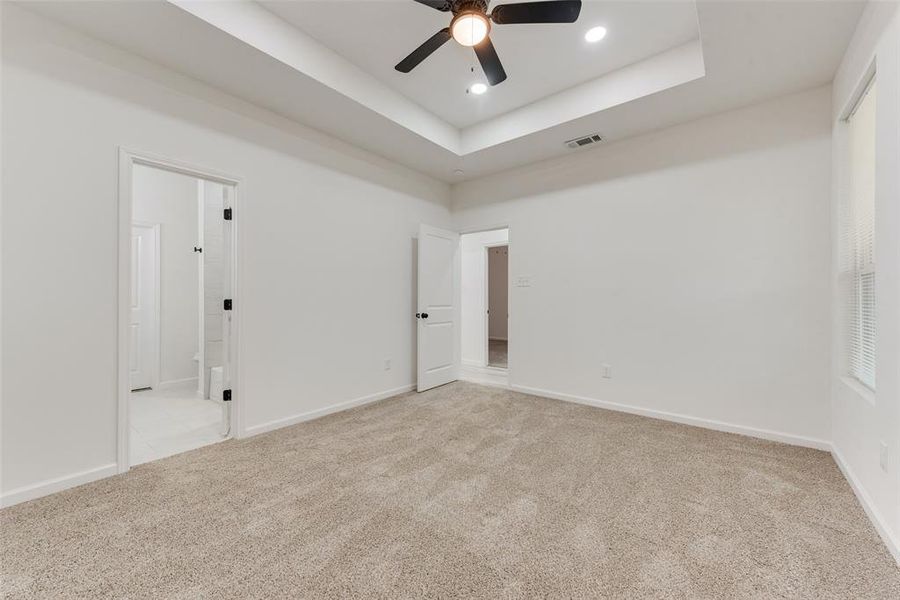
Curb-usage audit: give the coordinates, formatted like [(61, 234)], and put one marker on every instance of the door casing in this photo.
[(127, 159)]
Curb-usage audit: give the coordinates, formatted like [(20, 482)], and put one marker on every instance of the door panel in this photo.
[(227, 267), (144, 327), (217, 286), (438, 307)]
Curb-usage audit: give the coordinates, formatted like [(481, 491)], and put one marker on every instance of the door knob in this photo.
[(424, 315)]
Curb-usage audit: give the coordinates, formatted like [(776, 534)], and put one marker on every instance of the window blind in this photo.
[(858, 237)]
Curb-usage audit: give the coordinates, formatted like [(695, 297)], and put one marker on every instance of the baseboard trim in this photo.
[(765, 434), (59, 484), (892, 543), (492, 376), (51, 486), (321, 412)]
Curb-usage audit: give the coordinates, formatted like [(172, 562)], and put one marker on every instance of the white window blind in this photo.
[(858, 241)]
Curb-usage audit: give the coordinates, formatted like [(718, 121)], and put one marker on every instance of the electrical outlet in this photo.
[(523, 281), (387, 364), (606, 371), (883, 456)]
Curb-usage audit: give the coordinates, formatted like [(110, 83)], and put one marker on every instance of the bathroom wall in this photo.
[(170, 200)]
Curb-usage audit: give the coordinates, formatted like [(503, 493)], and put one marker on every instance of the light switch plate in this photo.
[(523, 281)]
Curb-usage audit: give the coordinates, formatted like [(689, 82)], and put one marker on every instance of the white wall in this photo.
[(170, 200), (694, 261), (861, 421), (68, 103), (498, 292), (472, 308)]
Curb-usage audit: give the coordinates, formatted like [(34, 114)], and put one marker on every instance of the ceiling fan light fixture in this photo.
[(478, 88), (469, 28)]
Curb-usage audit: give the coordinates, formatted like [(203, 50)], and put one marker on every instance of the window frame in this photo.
[(852, 273)]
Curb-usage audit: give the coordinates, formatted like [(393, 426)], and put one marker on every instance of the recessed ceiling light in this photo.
[(478, 88), (595, 34)]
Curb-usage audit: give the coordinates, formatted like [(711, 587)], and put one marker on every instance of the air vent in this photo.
[(584, 141)]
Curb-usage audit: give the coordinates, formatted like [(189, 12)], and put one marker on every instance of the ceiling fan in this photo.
[(471, 25)]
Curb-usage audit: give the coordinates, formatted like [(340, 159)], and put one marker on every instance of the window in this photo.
[(858, 241)]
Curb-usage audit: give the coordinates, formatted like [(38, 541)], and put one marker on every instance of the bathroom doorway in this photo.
[(178, 323)]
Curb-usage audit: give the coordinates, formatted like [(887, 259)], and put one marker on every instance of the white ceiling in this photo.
[(540, 60), (748, 51)]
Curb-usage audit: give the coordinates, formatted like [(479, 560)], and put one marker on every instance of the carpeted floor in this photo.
[(464, 491)]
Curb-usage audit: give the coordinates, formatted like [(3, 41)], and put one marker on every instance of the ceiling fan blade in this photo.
[(424, 51), (552, 11), (490, 62), (441, 5)]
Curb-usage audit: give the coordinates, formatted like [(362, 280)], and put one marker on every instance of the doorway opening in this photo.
[(498, 306), (485, 305), (177, 258)]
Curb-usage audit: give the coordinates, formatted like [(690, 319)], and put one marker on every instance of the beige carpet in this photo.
[(463, 491)]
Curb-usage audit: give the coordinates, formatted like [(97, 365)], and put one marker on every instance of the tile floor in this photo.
[(170, 421)]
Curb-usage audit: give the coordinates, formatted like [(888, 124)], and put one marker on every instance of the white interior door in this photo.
[(228, 266), (144, 324), (437, 313)]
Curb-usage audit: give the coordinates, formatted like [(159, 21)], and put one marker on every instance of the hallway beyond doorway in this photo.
[(497, 353)]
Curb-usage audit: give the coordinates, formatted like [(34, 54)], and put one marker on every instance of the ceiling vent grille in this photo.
[(584, 141)]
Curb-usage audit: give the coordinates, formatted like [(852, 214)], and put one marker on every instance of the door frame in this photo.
[(487, 302), (127, 159), (201, 296), (157, 314), (507, 372)]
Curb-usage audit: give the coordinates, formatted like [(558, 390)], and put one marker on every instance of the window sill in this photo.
[(860, 390)]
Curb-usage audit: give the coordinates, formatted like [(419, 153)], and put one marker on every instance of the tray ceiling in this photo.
[(540, 60), (747, 52)]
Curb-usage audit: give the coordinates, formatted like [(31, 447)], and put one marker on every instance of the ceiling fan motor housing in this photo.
[(458, 6)]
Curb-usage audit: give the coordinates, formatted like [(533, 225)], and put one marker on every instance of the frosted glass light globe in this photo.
[(469, 28)]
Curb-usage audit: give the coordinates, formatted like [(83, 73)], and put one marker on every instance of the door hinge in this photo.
[(227, 304), (227, 214), (226, 395)]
